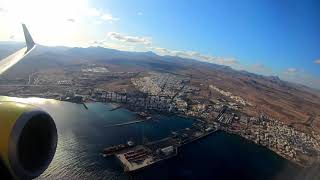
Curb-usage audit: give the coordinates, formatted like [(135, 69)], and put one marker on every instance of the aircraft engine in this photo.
[(28, 140)]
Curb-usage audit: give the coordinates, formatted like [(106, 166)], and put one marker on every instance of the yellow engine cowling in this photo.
[(28, 139)]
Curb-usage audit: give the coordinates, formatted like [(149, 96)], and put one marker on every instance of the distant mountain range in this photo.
[(48, 57), (61, 55)]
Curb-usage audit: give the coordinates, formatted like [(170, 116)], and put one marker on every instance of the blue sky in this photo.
[(269, 37)]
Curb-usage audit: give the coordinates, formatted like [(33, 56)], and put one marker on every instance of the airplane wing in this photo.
[(14, 58), (28, 135)]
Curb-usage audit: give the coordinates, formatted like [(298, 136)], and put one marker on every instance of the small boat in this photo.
[(142, 114), (130, 143)]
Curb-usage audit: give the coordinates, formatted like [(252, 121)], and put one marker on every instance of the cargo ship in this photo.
[(109, 151)]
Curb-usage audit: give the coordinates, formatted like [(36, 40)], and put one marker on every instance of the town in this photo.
[(169, 93)]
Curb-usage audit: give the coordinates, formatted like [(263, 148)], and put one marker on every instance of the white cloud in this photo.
[(291, 71), (317, 61), (198, 56), (2, 10), (109, 17), (98, 22), (129, 39), (139, 13), (161, 50), (101, 15), (260, 69), (227, 61), (118, 46), (71, 20), (301, 77), (93, 12)]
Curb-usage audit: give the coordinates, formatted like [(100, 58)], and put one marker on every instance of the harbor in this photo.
[(203, 157), (137, 157)]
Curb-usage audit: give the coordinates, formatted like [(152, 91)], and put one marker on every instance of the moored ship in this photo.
[(109, 151)]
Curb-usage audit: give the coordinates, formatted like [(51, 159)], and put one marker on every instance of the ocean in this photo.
[(82, 135)]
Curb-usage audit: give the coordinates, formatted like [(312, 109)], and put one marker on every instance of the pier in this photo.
[(115, 108), (127, 123), (147, 154)]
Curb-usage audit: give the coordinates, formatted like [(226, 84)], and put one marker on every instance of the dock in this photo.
[(127, 123), (142, 156), (115, 108)]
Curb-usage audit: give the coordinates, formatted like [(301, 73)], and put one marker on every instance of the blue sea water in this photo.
[(84, 133)]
